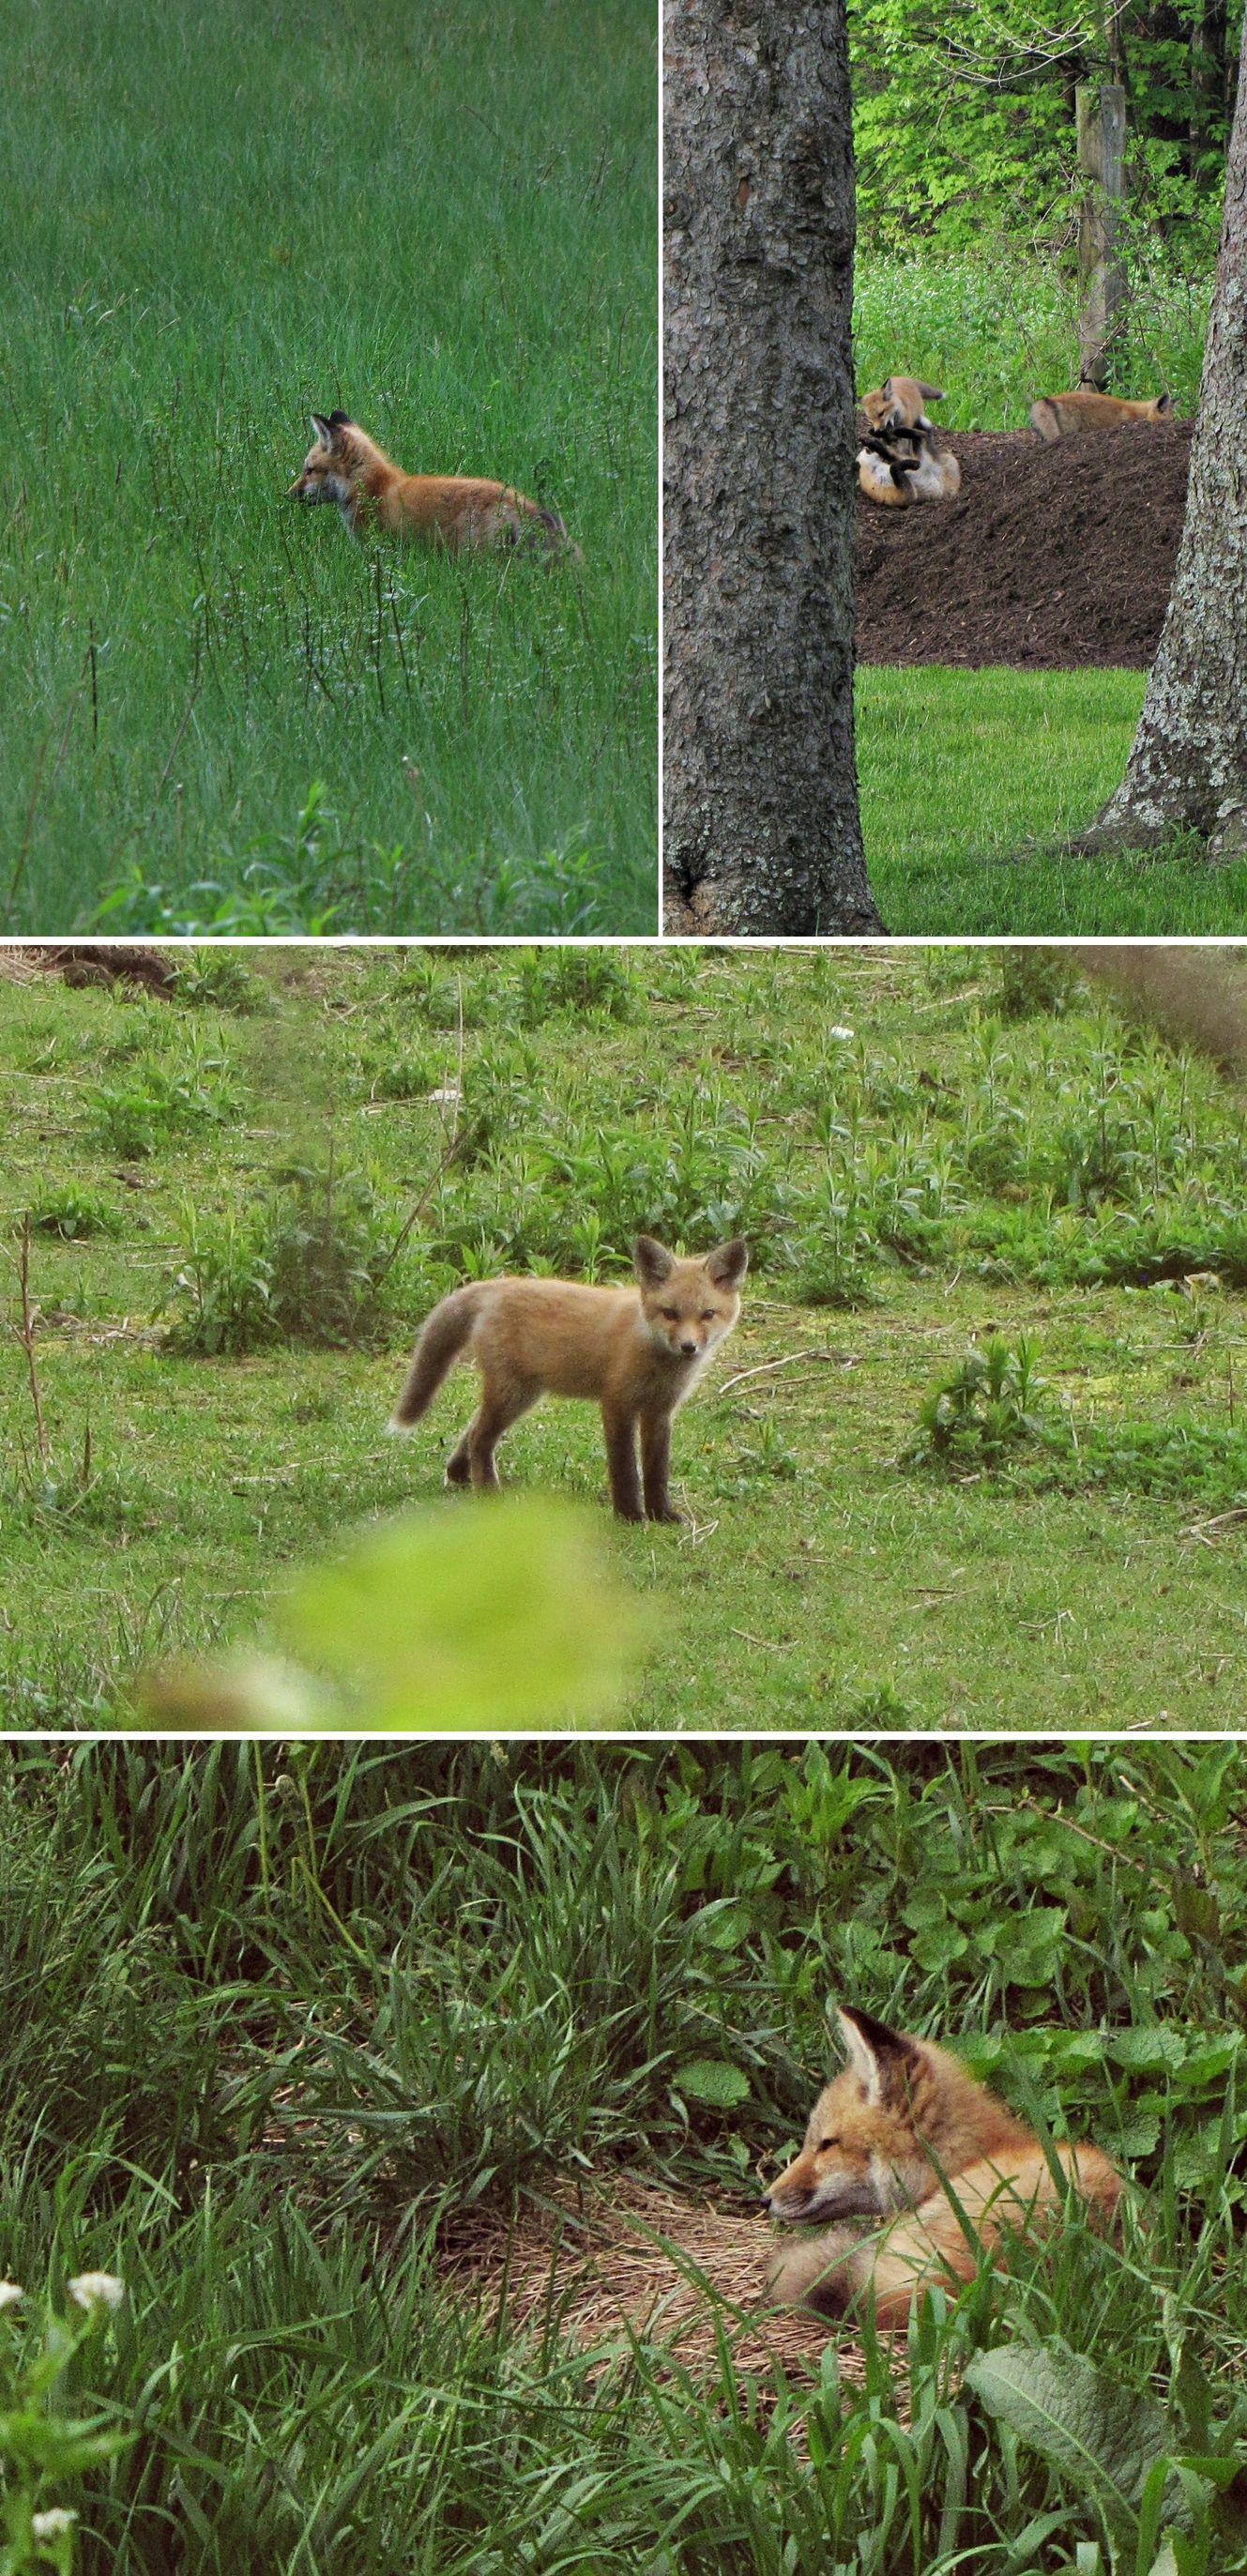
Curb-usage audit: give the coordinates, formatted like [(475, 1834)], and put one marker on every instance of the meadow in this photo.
[(220, 713), (974, 1457), (296, 2025)]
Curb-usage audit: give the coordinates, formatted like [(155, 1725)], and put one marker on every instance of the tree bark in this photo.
[(763, 835), (1188, 764)]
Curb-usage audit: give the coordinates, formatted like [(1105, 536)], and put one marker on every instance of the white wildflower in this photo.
[(50, 2525), (97, 2290), (10, 2294)]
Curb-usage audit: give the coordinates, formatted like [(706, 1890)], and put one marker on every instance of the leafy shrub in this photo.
[(1035, 983), (74, 1212), (158, 1106), (215, 979), (314, 1262), (978, 1417)]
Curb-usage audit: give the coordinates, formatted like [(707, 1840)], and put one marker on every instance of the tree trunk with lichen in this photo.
[(1187, 770), (762, 835)]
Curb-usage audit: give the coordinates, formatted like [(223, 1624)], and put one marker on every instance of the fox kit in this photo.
[(453, 510), (900, 2121), (898, 404), (1063, 415), (897, 466), (635, 1351)]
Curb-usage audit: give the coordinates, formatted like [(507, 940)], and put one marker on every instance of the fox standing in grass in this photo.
[(635, 1351), (458, 511), (894, 2138)]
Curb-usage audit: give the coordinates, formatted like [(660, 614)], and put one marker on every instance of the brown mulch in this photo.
[(90, 961), (591, 2267), (1049, 558)]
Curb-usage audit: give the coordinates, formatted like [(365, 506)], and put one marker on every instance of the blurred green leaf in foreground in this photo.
[(506, 1615)]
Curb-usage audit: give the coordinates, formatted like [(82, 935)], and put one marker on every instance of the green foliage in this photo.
[(41, 2448), (74, 1212), (979, 1416), (310, 1264)]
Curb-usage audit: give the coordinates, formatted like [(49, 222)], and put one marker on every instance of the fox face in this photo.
[(688, 1306), (862, 2156), (899, 404), (326, 469)]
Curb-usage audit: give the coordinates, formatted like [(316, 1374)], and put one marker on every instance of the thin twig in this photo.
[(843, 1359)]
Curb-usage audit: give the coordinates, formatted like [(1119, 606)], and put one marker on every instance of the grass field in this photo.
[(945, 1176), (972, 783), (218, 710), (291, 2025)]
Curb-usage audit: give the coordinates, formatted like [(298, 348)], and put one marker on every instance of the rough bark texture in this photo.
[(762, 827), (1188, 765)]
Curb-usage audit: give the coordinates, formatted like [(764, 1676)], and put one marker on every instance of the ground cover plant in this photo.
[(294, 2021), (220, 710), (926, 1151)]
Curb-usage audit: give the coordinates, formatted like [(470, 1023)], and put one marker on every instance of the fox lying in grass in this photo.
[(1065, 415), (458, 511), (635, 1351), (898, 2133)]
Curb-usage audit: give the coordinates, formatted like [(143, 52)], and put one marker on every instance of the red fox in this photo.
[(898, 404), (635, 1351), (897, 466), (1064, 415), (454, 510), (898, 2132)]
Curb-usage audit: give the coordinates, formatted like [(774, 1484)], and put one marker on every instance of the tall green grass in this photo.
[(320, 2000), (218, 709)]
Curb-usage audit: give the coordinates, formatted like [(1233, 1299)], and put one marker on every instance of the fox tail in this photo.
[(442, 1337)]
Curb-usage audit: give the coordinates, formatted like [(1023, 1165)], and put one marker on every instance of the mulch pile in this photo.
[(595, 2269), (1050, 557)]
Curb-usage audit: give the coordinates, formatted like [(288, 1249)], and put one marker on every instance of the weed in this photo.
[(979, 1416)]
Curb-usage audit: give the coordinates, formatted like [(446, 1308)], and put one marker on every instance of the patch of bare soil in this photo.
[(1049, 558), (602, 2271)]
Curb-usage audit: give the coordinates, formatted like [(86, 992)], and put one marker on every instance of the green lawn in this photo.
[(943, 1174), (971, 781), (218, 710)]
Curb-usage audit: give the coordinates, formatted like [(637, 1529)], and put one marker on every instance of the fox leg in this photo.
[(823, 2271), (655, 1460), (619, 1428), (472, 1461)]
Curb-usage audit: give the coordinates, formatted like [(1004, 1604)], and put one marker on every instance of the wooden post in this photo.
[(1101, 111)]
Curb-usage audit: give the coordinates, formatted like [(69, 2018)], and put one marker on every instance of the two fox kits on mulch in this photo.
[(898, 2133), (459, 511), (638, 1352)]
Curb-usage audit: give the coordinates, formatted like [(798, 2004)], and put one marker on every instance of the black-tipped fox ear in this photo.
[(651, 1261), (879, 2057), (1164, 406), (727, 1264), (340, 420), (323, 428)]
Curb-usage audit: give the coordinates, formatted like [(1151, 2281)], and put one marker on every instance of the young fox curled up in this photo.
[(635, 1351), (458, 511), (892, 2140)]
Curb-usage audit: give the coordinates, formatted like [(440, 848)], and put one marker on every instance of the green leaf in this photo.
[(1104, 2437), (710, 2079)]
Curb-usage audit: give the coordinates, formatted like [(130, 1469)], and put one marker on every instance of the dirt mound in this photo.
[(1051, 557)]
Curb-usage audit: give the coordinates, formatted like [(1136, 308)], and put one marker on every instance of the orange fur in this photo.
[(898, 404), (635, 1351), (902, 2114), (458, 511), (1065, 415)]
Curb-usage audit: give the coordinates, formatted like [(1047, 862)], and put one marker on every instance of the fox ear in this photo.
[(652, 1261), (727, 1264), (1164, 405), (879, 2057), (340, 420), (323, 428)]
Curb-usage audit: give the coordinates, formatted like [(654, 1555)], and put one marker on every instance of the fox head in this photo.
[(899, 404), (689, 1305), (874, 2130), (326, 474)]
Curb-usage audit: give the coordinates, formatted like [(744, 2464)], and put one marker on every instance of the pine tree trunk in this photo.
[(762, 828), (1188, 764)]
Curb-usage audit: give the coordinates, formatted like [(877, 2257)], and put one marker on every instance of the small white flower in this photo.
[(97, 2290), (49, 2526), (10, 2294)]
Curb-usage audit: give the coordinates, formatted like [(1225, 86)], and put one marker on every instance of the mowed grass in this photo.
[(298, 2028), (218, 709), (972, 784), (940, 1174)]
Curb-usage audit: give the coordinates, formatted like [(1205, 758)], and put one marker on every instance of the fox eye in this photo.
[(707, 1314), (670, 1314), (825, 2143)]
